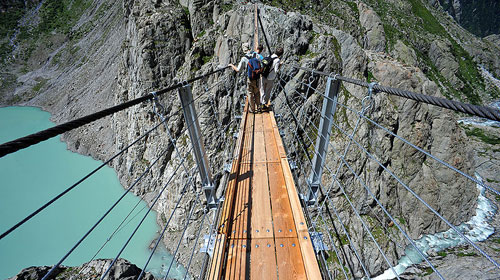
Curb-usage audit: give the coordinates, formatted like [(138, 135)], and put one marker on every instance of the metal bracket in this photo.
[(317, 241), (209, 244)]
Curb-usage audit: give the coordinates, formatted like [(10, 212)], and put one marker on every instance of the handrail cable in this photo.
[(119, 227), (34, 213), (476, 181), (336, 178), (109, 210), (476, 110), (24, 142), (394, 176), (188, 221), (205, 212), (340, 220), (159, 239), (151, 207)]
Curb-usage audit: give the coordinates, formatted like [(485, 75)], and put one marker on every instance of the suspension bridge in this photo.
[(276, 217)]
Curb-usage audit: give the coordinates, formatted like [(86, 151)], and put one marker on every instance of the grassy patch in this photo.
[(442, 254), (430, 23), (206, 59), (428, 271), (482, 135), (61, 15), (41, 83), (471, 254), (226, 7)]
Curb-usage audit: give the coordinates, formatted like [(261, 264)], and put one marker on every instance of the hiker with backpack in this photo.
[(253, 66), (270, 67)]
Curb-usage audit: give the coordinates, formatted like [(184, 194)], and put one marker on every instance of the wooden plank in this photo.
[(236, 266), (259, 126), (230, 191), (240, 222), (271, 147), (260, 206), (308, 256), (279, 143), (259, 147), (263, 259), (218, 257), (283, 221), (247, 151), (289, 259)]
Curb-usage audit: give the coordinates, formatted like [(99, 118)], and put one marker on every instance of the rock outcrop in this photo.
[(122, 270)]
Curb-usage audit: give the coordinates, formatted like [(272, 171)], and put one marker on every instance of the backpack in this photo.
[(267, 64), (254, 69)]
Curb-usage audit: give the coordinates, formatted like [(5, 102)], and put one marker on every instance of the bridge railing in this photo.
[(183, 175), (346, 199)]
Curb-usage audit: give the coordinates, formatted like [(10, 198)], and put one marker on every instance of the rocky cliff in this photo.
[(478, 17), (92, 270), (115, 51)]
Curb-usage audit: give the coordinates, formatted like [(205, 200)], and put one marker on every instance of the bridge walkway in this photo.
[(262, 233)]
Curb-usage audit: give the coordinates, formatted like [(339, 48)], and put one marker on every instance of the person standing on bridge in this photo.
[(252, 83), (268, 76)]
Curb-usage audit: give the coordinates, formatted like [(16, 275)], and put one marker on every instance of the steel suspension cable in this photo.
[(34, 213), (165, 228), (119, 227), (351, 137), (476, 181), (205, 211), (340, 220), (426, 204), (183, 232), (149, 210), (24, 142), (392, 219), (476, 110)]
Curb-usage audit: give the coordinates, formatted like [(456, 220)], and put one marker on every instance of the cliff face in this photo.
[(478, 17), (115, 51)]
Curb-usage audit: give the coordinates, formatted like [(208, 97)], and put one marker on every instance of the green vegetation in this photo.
[(429, 23), (201, 33), (226, 7), (206, 59), (41, 83), (462, 254), (428, 271), (61, 15), (482, 135), (442, 254)]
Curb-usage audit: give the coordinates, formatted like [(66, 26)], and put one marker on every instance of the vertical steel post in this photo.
[(325, 128), (191, 119)]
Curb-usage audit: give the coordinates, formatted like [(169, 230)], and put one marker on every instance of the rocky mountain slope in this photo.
[(106, 52), (478, 17)]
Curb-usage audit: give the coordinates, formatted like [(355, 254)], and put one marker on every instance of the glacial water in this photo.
[(32, 176), (477, 229)]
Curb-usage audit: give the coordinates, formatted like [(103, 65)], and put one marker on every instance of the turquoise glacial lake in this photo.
[(31, 177)]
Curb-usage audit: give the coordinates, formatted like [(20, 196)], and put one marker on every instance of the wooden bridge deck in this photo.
[(262, 233)]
